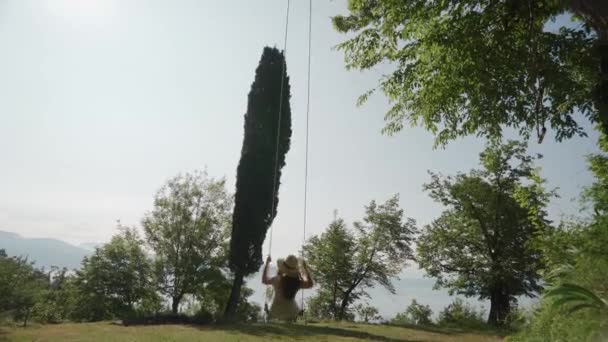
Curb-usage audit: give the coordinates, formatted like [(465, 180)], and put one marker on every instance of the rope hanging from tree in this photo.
[(307, 133), (276, 154), (306, 149)]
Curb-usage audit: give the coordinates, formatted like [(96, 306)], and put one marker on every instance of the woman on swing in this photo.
[(286, 284)]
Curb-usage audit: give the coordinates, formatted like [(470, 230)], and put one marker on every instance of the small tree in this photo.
[(460, 314), (323, 306), (331, 256), (367, 313), (21, 284), (117, 276), (420, 314), (415, 314), (188, 230), (56, 302), (259, 171), (347, 263)]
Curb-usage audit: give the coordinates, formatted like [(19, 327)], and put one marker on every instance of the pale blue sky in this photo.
[(102, 101)]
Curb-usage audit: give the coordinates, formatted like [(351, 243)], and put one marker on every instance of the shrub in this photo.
[(461, 314), (415, 314)]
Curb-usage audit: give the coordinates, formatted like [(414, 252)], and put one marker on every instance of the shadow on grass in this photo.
[(457, 330), (429, 328), (299, 330)]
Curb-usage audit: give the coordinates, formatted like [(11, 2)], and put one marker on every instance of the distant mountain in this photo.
[(44, 252)]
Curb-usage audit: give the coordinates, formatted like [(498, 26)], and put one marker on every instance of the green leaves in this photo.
[(483, 244), (473, 67), (20, 286), (576, 298), (114, 279), (348, 261), (574, 307), (415, 313), (259, 174), (188, 230)]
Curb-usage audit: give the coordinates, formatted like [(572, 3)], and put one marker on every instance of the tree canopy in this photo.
[(115, 278), (349, 261), (476, 67), (188, 231), (483, 244)]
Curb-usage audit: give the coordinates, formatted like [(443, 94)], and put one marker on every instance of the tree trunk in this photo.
[(334, 308), (344, 305), (235, 295), (175, 303), (500, 307), (27, 316)]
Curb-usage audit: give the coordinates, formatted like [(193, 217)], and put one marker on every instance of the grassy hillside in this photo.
[(258, 332)]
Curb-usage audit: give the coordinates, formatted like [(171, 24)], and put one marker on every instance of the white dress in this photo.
[(281, 307)]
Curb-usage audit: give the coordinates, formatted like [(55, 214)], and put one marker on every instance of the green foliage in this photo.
[(415, 314), (474, 67), (549, 323), (597, 194), (20, 286), (213, 294), (330, 255), (574, 308), (577, 298), (348, 262), (367, 313), (188, 231), (484, 243), (323, 306), (462, 315), (258, 177), (114, 279), (56, 302), (256, 192)]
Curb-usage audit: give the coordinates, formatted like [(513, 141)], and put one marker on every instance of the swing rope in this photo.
[(306, 153), (276, 154), (276, 159)]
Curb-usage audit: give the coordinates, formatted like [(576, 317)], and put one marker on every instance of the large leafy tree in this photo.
[(188, 231), (476, 67), (265, 144), (348, 262), (483, 244)]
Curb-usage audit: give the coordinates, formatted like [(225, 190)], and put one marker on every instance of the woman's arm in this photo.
[(307, 281), (265, 278)]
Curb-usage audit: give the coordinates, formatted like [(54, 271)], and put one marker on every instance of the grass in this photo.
[(106, 331)]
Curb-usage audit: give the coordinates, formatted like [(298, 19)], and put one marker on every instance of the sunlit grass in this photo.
[(254, 332)]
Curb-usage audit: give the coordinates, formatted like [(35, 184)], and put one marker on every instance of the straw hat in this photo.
[(288, 266)]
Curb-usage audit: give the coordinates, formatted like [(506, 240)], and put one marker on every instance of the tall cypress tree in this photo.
[(255, 188)]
